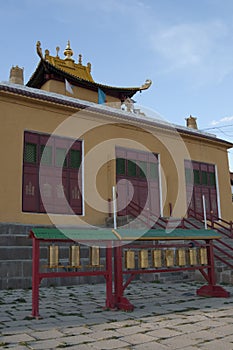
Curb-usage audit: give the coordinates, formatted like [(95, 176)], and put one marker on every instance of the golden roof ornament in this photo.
[(89, 67), (57, 49), (146, 85), (39, 50), (68, 52)]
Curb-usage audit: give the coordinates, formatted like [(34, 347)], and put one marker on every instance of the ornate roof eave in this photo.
[(46, 71)]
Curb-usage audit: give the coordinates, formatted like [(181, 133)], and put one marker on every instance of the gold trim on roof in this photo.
[(67, 64)]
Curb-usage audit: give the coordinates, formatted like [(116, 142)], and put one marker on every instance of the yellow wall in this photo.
[(100, 136), (81, 93)]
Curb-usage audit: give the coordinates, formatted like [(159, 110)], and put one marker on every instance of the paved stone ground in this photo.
[(166, 317)]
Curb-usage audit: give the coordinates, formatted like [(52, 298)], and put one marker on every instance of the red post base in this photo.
[(213, 291), (36, 317), (110, 304), (123, 304)]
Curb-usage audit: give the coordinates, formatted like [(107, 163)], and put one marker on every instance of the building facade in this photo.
[(68, 141)]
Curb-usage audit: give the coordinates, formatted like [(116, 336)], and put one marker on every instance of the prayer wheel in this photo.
[(75, 255), (203, 256), (181, 257), (169, 257), (130, 259), (193, 256), (157, 258), (143, 259), (53, 256), (94, 256)]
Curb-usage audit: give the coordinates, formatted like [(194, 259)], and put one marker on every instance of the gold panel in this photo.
[(94, 256), (143, 259), (203, 256), (169, 256), (193, 256), (181, 257), (129, 259), (157, 258), (53, 256), (75, 255)]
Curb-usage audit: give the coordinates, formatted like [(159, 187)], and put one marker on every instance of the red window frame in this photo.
[(43, 191)]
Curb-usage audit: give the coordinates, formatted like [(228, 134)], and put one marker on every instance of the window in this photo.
[(196, 174), (204, 178), (201, 174), (153, 170), (212, 181), (75, 158), (61, 160), (30, 154), (142, 169), (188, 175), (46, 155), (44, 188), (132, 168), (120, 166)]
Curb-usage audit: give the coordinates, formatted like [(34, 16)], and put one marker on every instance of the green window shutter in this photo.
[(153, 171), (143, 169), (30, 155), (132, 168), (204, 178), (61, 160), (212, 179), (75, 158), (196, 174), (46, 155), (188, 176), (120, 166)]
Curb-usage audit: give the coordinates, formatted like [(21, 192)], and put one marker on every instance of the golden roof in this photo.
[(67, 64)]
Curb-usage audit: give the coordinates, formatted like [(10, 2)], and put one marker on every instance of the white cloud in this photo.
[(222, 120)]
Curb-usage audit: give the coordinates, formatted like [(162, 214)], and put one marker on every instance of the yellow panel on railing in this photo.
[(157, 258), (74, 256), (94, 256), (169, 257), (193, 256), (181, 257), (129, 259), (53, 256), (143, 259), (203, 256)]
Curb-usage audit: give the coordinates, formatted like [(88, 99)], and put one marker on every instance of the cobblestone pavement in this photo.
[(166, 316)]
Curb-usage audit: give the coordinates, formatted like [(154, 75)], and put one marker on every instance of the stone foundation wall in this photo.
[(16, 260)]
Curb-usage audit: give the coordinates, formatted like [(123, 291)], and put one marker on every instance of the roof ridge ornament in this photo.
[(68, 52), (57, 50), (39, 50), (146, 85)]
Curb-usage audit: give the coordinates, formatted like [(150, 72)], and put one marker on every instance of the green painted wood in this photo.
[(157, 234), (73, 234), (122, 234)]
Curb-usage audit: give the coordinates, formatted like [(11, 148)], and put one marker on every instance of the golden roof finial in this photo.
[(39, 50), (80, 59), (146, 85), (89, 67), (57, 49), (68, 52)]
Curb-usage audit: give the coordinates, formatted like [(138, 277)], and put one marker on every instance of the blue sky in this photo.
[(185, 47)]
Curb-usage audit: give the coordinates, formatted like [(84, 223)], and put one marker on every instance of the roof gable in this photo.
[(53, 67)]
